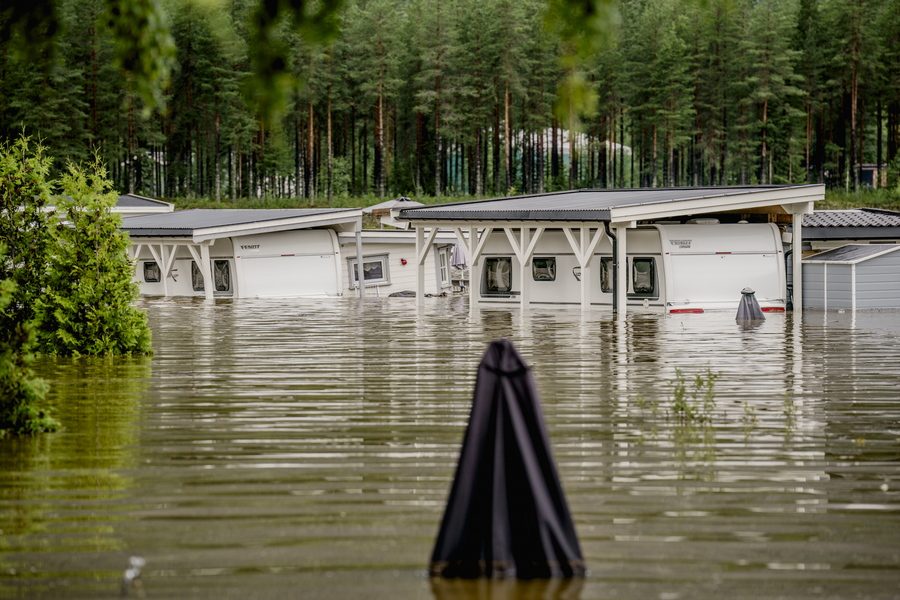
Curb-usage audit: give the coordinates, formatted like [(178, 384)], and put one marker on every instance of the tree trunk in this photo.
[(507, 151), (329, 153)]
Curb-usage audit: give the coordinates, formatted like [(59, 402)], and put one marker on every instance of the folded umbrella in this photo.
[(506, 515)]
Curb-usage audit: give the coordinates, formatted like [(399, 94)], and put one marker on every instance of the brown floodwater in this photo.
[(305, 449)]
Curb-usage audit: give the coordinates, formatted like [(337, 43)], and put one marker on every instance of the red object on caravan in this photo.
[(686, 310), (773, 309)]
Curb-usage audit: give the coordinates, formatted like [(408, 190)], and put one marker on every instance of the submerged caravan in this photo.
[(672, 250), (269, 253)]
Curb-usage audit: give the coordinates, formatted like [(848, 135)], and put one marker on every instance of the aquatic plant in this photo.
[(694, 402)]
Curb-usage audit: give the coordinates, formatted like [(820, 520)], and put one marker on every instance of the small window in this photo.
[(375, 270), (197, 278), (606, 275), (543, 269), (444, 255), (643, 276), (222, 275), (152, 272), (498, 275)]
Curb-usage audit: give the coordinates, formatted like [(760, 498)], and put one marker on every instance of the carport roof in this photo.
[(616, 205), (206, 224), (852, 253)]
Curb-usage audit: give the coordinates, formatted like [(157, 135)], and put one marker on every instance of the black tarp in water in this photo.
[(748, 309), (506, 515)]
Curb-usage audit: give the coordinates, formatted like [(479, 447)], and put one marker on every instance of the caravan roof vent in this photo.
[(706, 221)]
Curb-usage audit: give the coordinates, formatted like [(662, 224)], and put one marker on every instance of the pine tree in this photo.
[(25, 217), (20, 391), (86, 307)]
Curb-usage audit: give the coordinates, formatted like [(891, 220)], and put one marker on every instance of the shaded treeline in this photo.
[(438, 97)]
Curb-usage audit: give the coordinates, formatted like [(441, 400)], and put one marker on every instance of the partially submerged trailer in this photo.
[(389, 265), (676, 250), (274, 253)]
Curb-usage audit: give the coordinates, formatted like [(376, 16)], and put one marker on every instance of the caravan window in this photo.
[(152, 272), (543, 269), (606, 275), (643, 276), (222, 275), (444, 256), (498, 275), (375, 270), (196, 278)]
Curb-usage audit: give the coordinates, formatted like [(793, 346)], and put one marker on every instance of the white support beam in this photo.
[(622, 267), (519, 245), (422, 253), (360, 273), (165, 262), (473, 245), (209, 286), (202, 260), (479, 247), (797, 261), (584, 247), (524, 246), (474, 268)]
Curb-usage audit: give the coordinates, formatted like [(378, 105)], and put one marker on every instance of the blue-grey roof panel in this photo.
[(133, 201), (858, 217), (852, 253), (570, 205), (184, 222)]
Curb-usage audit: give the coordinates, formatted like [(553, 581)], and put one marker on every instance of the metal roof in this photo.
[(201, 224), (851, 224), (602, 205), (853, 253), (857, 217), (135, 201)]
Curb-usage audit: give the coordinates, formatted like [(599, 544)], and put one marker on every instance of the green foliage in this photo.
[(20, 392), (24, 227), (86, 307), (447, 98), (694, 402)]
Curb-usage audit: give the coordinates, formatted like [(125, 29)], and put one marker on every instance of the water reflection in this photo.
[(506, 589), (277, 446)]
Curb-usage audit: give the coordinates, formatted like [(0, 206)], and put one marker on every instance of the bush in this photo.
[(20, 391), (86, 308)]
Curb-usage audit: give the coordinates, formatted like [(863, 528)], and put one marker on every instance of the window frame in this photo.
[(444, 266), (197, 276), (654, 291), (353, 272), (485, 289), (551, 268), (607, 266), (610, 271), (155, 264)]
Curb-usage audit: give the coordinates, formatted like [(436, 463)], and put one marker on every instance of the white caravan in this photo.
[(692, 267), (274, 253)]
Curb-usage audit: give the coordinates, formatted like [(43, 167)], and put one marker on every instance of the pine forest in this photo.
[(478, 98)]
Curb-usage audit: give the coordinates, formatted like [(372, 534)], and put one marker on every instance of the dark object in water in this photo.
[(748, 309), (507, 515)]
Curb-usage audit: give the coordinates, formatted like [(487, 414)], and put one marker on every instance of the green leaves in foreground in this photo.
[(20, 390), (87, 308)]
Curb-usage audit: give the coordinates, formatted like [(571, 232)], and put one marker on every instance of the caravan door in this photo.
[(707, 266), (295, 263)]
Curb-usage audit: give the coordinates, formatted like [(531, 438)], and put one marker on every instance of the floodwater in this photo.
[(305, 449)]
